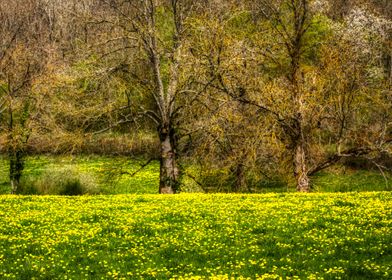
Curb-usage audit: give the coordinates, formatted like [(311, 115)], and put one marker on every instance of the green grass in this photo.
[(195, 236), (106, 172), (342, 179)]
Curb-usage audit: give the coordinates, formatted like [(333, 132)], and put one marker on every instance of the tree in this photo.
[(318, 103), (288, 22), (153, 37), (22, 60), (231, 144)]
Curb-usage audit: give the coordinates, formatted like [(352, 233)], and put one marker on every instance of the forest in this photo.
[(240, 91)]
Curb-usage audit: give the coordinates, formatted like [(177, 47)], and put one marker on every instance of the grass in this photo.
[(194, 236), (112, 176), (348, 180)]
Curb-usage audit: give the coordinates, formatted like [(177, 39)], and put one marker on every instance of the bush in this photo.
[(64, 181), (72, 187)]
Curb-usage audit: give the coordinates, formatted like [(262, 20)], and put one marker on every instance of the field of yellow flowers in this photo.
[(196, 236)]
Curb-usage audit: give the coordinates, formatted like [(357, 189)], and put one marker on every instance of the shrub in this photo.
[(72, 187), (64, 181)]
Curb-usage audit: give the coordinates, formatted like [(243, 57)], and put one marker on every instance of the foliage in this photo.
[(195, 236)]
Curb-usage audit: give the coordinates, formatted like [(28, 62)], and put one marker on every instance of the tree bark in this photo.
[(15, 156), (16, 169), (300, 169), (169, 171), (240, 179)]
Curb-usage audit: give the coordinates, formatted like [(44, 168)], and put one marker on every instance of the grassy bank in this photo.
[(189, 236)]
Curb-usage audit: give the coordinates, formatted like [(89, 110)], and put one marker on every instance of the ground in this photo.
[(343, 230), (196, 236)]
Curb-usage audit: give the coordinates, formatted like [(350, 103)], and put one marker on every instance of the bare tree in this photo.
[(313, 95), (152, 38), (23, 55)]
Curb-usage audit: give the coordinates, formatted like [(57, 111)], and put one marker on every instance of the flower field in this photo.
[(195, 236)]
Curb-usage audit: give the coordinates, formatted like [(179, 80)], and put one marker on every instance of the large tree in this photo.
[(315, 80), (153, 40)]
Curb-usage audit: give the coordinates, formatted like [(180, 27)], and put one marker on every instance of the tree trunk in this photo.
[(15, 155), (169, 172), (240, 179), (300, 169), (390, 68), (16, 169)]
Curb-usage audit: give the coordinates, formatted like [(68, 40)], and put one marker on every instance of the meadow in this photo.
[(197, 236)]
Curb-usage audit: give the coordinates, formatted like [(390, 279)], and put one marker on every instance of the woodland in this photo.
[(242, 91)]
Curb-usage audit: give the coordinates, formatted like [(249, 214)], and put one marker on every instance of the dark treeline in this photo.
[(253, 89)]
